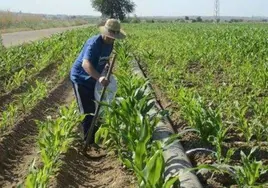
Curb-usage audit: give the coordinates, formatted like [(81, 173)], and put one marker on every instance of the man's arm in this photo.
[(88, 67)]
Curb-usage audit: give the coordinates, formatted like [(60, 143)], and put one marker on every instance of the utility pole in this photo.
[(217, 10)]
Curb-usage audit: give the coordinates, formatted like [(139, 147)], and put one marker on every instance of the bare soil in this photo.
[(80, 170)]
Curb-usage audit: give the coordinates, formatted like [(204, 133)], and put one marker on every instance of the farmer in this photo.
[(87, 69)]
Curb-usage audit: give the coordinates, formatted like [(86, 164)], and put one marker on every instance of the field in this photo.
[(12, 22), (211, 79)]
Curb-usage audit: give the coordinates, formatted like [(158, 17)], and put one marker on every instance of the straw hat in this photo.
[(112, 29)]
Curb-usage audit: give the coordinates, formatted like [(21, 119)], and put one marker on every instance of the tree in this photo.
[(199, 19), (186, 18), (114, 8)]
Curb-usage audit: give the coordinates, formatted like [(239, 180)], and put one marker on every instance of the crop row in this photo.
[(20, 64), (54, 139), (127, 127), (216, 76), (24, 102)]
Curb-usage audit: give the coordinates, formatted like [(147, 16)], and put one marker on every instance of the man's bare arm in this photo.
[(88, 67)]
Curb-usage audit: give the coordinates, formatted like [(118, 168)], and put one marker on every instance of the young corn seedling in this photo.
[(246, 176), (16, 80), (35, 94), (222, 130), (128, 128), (8, 117), (249, 173), (127, 115), (260, 131), (37, 177), (23, 105), (243, 123), (152, 173), (261, 119), (39, 55), (206, 120), (54, 138)]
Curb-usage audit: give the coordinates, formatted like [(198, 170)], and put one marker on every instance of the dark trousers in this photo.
[(85, 100)]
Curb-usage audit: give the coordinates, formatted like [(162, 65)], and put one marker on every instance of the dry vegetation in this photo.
[(10, 21)]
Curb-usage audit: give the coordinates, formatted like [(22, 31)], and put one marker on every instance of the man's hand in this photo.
[(104, 81)]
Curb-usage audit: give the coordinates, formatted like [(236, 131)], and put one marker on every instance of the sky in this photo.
[(246, 8)]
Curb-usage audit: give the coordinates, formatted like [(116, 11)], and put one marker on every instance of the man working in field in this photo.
[(87, 69)]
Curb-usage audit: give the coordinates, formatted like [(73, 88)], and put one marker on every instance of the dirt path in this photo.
[(79, 170), (11, 39)]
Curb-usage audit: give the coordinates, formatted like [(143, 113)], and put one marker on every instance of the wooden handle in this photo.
[(91, 129)]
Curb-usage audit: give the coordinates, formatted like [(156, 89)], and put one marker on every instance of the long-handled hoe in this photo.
[(95, 118)]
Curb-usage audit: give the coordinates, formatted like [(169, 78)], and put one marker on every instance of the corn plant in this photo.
[(259, 130), (151, 175), (128, 128), (243, 123), (249, 173), (246, 175), (26, 74), (36, 94), (8, 117), (126, 115), (206, 120), (23, 104), (16, 80), (37, 177), (260, 121), (55, 137)]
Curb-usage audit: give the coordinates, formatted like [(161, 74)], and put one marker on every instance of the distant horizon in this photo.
[(144, 8), (132, 15)]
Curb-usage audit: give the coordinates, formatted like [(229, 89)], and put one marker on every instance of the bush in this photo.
[(199, 19), (135, 20)]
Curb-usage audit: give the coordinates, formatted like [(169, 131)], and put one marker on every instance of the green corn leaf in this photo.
[(153, 169), (171, 181), (140, 154), (127, 163)]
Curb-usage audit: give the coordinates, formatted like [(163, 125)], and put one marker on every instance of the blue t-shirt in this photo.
[(97, 52)]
